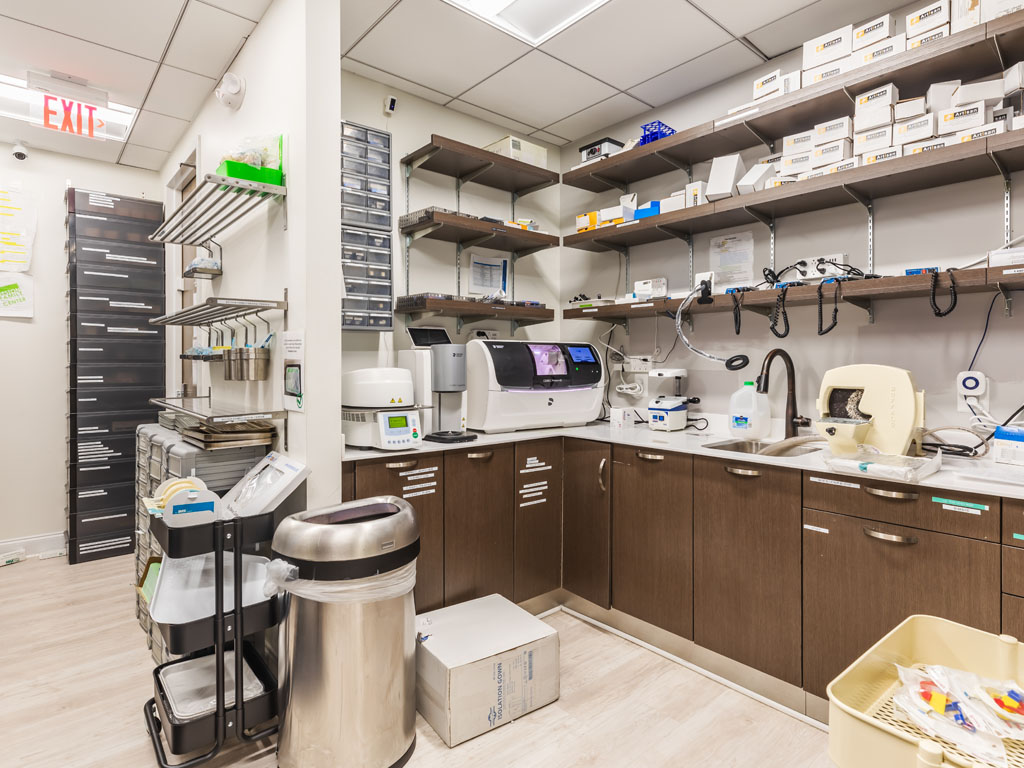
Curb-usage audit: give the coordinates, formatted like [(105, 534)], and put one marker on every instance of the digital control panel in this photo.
[(399, 429)]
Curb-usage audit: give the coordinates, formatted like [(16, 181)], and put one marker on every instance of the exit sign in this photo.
[(77, 118)]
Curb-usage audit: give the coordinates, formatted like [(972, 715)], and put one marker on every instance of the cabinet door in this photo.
[(348, 480), (859, 585), (538, 516), (586, 520), (478, 522), (652, 537), (746, 569), (420, 482)]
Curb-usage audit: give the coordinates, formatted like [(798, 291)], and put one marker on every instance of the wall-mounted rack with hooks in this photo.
[(215, 310)]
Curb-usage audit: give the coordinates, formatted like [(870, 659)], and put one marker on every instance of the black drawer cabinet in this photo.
[(116, 362)]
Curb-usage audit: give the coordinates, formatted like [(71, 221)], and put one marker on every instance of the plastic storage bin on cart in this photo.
[(865, 728)]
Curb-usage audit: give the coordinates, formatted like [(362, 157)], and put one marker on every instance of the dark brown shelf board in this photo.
[(454, 228), (941, 167), (616, 311), (967, 55), (464, 161), (477, 310)]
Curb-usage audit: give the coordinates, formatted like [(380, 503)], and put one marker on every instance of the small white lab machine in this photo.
[(668, 413), (378, 409)]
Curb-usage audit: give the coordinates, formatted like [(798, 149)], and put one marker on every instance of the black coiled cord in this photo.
[(835, 309), (952, 294), (737, 307), (780, 309)]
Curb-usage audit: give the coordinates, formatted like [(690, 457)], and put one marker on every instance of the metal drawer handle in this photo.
[(401, 464), (649, 456), (901, 495), (742, 472), (482, 455), (600, 475), (891, 537)]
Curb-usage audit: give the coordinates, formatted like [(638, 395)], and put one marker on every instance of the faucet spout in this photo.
[(792, 419)]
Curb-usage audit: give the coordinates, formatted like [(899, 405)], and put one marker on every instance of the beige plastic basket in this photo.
[(865, 731)]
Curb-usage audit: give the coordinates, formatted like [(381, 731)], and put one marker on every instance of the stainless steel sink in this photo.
[(755, 446)]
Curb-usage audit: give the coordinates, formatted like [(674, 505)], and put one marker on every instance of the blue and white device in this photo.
[(667, 413)]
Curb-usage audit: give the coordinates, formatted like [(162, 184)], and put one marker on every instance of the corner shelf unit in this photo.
[(471, 232), (471, 311)]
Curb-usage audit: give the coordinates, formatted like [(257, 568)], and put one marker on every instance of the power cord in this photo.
[(780, 309), (693, 423), (835, 309), (737, 311), (952, 294)]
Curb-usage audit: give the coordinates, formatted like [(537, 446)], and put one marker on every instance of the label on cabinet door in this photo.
[(416, 493), (1017, 271), (830, 481), (961, 506), (815, 528), (418, 486), (417, 471)]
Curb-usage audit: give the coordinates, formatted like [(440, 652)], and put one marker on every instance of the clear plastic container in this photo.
[(378, 139), (750, 414), (377, 256), (353, 149), (374, 240), (356, 132), (354, 319), (191, 687), (351, 181), (353, 236)]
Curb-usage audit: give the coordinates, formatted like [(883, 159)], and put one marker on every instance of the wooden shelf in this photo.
[(950, 165), (967, 55), (477, 233), (470, 311), (469, 163)]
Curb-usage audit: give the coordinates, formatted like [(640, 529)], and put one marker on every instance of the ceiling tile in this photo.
[(491, 117), (719, 64), (816, 19), (247, 9), (12, 131), (743, 16), (550, 138), (358, 17), (664, 34), (206, 40), (139, 27), (178, 93), (157, 131), (432, 42), (143, 157), (538, 90), (27, 47), (609, 112), (372, 73)]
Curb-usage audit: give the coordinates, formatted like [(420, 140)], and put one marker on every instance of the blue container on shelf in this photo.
[(652, 208), (654, 131)]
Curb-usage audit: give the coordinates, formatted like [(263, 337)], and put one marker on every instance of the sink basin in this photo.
[(754, 446)]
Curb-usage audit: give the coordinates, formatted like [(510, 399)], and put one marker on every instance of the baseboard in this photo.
[(33, 545)]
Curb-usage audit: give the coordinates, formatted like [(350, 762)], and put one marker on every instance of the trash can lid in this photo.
[(353, 540)]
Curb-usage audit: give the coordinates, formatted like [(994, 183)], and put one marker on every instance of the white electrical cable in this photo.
[(685, 305), (983, 420), (636, 389)]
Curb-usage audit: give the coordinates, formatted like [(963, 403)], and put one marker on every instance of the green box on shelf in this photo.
[(235, 170)]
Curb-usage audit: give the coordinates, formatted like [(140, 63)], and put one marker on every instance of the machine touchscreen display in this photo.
[(582, 354), (548, 360), (398, 422)]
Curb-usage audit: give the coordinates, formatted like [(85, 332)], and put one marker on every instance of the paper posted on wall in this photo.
[(17, 229), (732, 260), (15, 295), (488, 275)]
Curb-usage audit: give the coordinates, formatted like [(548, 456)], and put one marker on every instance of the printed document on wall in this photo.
[(15, 295), (488, 275), (732, 260), (17, 229)]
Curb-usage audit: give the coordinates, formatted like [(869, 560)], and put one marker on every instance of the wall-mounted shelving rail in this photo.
[(217, 310)]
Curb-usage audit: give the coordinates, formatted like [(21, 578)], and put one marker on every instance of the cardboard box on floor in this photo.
[(481, 664)]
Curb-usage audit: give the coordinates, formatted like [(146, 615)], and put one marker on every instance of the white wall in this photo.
[(32, 387), (433, 263), (943, 227)]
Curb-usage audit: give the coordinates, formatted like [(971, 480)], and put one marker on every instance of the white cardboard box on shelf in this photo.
[(928, 145), (481, 664), (932, 36), (1003, 114), (964, 14), (769, 84), (973, 134), (881, 50), (696, 193), (1013, 79), (887, 95), (773, 159), (872, 118), (615, 214), (754, 179), (828, 47), (940, 95), (844, 165), (914, 129), (956, 119), (833, 152), (872, 139), (881, 155), (825, 71), (989, 91), (520, 149), (813, 173), (725, 172), (833, 130), (780, 181), (993, 9), (929, 17), (673, 203), (907, 108), (797, 142), (1018, 122), (791, 81), (870, 32), (794, 165)]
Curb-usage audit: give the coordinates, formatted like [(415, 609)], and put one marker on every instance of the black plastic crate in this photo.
[(92, 326), (85, 500), (144, 256), (87, 548), (90, 376), (111, 399), (99, 448), (86, 425), (85, 351), (103, 204), (103, 302), (105, 227), (91, 524), (115, 277)]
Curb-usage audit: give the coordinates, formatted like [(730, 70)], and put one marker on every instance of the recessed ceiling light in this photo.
[(532, 21)]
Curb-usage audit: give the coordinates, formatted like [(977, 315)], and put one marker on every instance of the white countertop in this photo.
[(951, 477)]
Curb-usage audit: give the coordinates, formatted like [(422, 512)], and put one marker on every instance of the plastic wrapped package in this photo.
[(282, 577), (904, 469), (257, 151)]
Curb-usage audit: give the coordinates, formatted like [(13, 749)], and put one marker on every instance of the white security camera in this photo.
[(231, 91), (19, 152)]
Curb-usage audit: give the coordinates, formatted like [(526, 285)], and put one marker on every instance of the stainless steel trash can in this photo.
[(347, 655)]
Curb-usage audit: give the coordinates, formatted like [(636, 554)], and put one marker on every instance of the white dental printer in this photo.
[(528, 385)]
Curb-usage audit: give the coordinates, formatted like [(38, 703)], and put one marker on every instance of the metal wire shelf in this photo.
[(207, 413), (215, 204), (216, 310)]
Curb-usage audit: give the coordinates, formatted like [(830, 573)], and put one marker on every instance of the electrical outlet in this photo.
[(974, 385), (638, 364), (819, 268)]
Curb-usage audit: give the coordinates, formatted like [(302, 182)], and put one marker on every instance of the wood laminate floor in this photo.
[(75, 672)]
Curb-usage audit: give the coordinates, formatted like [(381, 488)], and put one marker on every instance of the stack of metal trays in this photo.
[(167, 419), (421, 215), (220, 470)]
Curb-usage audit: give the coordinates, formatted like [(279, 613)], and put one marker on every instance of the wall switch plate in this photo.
[(709, 276), (485, 333), (972, 384), (819, 269), (638, 364)]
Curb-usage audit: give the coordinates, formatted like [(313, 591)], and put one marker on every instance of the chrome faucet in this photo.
[(792, 419)]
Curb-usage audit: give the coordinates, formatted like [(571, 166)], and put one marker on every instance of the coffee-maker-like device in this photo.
[(448, 382)]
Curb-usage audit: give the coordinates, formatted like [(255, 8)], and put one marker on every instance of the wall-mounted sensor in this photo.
[(974, 385), (390, 105), (231, 91)]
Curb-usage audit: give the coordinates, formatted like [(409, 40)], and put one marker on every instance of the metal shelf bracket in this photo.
[(1006, 195), (675, 163), (770, 143), (1007, 300), (870, 207), (688, 239), (410, 167), (867, 305), (768, 221), (610, 182)]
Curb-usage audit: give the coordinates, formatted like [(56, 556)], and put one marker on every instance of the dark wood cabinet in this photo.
[(479, 523), (538, 517), (348, 481), (420, 481), (862, 578), (652, 537), (1013, 522), (746, 551), (586, 520)]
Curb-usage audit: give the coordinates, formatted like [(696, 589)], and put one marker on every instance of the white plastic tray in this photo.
[(190, 686), (185, 587)]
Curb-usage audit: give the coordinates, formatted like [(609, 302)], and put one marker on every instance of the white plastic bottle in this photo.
[(750, 413)]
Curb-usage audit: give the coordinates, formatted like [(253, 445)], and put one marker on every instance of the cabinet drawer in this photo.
[(114, 399), (538, 513), (101, 326), (86, 500), (83, 352), (1013, 616), (111, 544), (98, 449), (83, 201), (931, 509), (148, 257), (103, 473), (94, 424), (89, 376), (105, 521), (96, 227), (1013, 522), (98, 301), (1013, 571), (100, 277)]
